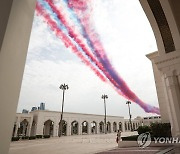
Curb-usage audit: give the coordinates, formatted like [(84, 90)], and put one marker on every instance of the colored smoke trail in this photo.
[(86, 51), (98, 56), (73, 34), (67, 42), (82, 10), (77, 38)]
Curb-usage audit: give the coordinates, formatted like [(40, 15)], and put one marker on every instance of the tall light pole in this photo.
[(130, 116), (63, 87), (105, 97)]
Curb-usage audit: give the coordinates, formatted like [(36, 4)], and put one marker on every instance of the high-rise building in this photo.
[(25, 111), (34, 108), (42, 106)]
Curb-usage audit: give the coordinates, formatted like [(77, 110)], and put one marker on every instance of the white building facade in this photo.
[(45, 122)]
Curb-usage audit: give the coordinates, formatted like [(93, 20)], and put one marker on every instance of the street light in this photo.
[(105, 97), (130, 116), (62, 87)]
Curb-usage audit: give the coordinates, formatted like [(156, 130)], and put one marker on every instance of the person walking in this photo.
[(118, 138)]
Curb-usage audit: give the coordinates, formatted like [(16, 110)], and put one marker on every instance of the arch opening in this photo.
[(74, 128), (84, 127), (101, 127), (108, 127), (93, 127), (64, 128), (48, 127), (23, 128), (114, 127)]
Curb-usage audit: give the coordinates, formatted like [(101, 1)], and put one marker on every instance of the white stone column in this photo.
[(169, 109), (98, 128), (29, 130), (89, 128), (17, 126), (123, 127), (55, 130), (16, 130), (79, 128), (112, 128), (39, 129), (13, 53), (29, 127), (35, 130), (173, 91), (68, 129)]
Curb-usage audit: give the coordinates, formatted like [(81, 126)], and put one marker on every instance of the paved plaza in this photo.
[(137, 150), (81, 144)]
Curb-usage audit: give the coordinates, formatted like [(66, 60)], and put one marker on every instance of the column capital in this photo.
[(171, 81), (168, 74)]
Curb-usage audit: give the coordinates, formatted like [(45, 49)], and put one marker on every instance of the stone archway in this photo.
[(120, 126), (74, 128), (108, 127), (48, 127), (165, 61), (93, 127), (23, 128), (64, 128), (84, 127), (114, 127), (101, 127), (125, 124)]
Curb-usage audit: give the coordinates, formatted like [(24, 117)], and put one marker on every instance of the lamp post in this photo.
[(130, 116), (62, 87), (105, 97)]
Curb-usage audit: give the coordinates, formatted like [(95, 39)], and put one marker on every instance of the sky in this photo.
[(127, 37)]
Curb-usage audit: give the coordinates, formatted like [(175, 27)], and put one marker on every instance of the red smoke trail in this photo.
[(81, 8), (88, 54), (77, 39), (40, 10)]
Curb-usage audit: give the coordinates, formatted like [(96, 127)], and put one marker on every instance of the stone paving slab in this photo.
[(134, 150), (83, 144), (79, 144)]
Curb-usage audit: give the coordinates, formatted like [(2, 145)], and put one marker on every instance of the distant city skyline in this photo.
[(127, 37)]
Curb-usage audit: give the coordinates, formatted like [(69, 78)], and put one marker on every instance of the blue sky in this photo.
[(127, 37)]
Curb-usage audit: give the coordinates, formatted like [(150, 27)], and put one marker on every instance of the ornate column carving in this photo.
[(173, 92)]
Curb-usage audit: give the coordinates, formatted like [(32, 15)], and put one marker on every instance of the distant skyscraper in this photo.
[(34, 108), (25, 111), (42, 106)]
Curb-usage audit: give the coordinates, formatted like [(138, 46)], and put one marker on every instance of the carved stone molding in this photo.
[(167, 60), (171, 81)]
